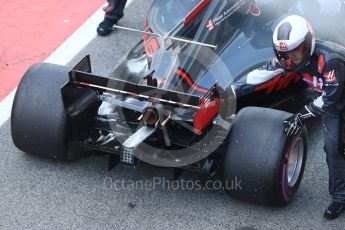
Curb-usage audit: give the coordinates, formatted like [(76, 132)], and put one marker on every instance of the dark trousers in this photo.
[(114, 10), (334, 129)]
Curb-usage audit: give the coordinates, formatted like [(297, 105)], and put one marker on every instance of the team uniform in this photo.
[(326, 71), (322, 65)]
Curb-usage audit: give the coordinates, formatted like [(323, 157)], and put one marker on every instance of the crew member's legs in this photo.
[(113, 13), (333, 127)]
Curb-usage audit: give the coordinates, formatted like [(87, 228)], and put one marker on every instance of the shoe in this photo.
[(334, 210), (105, 27)]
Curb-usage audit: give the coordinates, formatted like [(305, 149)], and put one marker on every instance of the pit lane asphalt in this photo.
[(41, 194)]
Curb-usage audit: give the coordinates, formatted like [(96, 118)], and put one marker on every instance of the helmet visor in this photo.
[(295, 55)]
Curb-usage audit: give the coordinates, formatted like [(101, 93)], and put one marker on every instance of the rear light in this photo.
[(127, 156)]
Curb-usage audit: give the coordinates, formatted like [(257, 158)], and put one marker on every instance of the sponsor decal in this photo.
[(313, 81), (223, 16), (283, 46), (254, 9), (330, 77), (209, 108), (210, 25)]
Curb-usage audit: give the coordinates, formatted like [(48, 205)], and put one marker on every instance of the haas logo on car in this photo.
[(210, 25)]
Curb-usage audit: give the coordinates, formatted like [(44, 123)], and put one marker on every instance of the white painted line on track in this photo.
[(64, 54), (6, 106), (77, 41)]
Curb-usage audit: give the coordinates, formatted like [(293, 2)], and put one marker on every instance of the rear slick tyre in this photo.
[(38, 119), (267, 165)]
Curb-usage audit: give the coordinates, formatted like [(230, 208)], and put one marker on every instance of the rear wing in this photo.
[(206, 107)]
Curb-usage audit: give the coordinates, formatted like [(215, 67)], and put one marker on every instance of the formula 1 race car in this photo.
[(183, 98)]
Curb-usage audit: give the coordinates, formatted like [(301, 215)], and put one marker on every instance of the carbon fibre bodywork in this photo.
[(187, 78), (186, 97), (243, 40)]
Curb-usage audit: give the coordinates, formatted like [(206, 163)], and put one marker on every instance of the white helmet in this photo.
[(290, 34)]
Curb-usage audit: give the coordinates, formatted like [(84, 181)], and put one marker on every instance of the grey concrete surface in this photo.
[(42, 194)]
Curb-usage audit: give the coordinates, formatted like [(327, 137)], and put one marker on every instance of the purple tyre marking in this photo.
[(284, 184)]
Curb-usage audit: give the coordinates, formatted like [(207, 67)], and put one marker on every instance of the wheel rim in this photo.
[(295, 161)]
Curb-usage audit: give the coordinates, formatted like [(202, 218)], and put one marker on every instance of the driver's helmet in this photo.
[(293, 32)]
